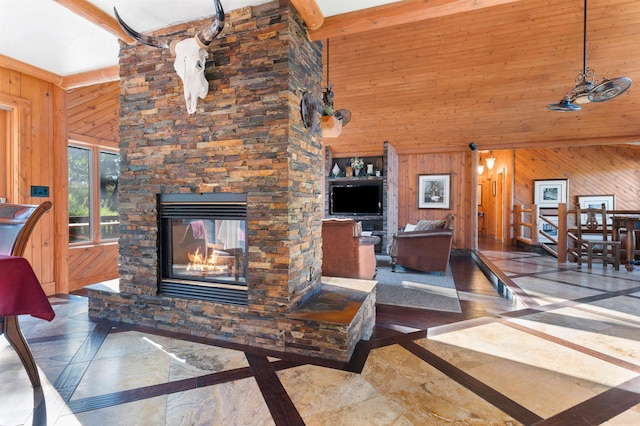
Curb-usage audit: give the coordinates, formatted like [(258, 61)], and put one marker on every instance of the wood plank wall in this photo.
[(591, 170), (30, 147), (463, 205), (93, 118), (93, 113), (39, 158)]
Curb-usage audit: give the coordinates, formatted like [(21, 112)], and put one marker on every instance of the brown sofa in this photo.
[(345, 252), (427, 248)]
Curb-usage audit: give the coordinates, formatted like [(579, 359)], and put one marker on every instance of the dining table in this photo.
[(630, 223), (21, 294)]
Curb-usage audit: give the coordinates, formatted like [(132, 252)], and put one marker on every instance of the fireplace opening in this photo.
[(203, 246)]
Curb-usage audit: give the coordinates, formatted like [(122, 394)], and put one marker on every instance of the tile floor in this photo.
[(567, 353)]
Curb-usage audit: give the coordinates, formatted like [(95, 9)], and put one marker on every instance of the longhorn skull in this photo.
[(190, 53)]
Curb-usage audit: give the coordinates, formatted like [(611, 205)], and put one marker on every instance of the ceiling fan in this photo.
[(587, 88)]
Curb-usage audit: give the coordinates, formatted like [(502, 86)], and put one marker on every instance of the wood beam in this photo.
[(393, 14), (22, 67), (69, 82), (88, 78), (97, 16), (309, 12)]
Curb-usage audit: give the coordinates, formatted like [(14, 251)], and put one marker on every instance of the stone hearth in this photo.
[(247, 137)]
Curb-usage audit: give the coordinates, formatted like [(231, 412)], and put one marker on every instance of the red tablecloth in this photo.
[(20, 290)]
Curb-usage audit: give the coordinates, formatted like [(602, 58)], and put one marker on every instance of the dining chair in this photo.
[(593, 238), (17, 222)]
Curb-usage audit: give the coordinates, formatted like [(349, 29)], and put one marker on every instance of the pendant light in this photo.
[(332, 120), (587, 89), (490, 160)]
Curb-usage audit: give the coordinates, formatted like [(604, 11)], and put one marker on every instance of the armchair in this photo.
[(345, 251), (427, 247)]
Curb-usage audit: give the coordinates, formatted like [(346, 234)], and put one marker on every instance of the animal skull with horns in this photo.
[(190, 55)]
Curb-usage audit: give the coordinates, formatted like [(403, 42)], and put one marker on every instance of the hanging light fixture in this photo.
[(587, 88), (480, 165), (491, 161), (332, 120)]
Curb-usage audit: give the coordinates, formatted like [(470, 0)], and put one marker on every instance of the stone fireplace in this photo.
[(246, 140)]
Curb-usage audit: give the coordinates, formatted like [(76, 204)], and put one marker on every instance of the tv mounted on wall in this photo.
[(363, 198)]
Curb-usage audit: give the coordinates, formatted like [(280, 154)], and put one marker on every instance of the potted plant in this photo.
[(357, 164)]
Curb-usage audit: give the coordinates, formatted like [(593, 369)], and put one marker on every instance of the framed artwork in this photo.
[(548, 193), (551, 230), (595, 201), (479, 194), (434, 191)]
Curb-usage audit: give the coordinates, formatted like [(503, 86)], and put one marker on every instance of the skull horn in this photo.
[(144, 39), (204, 36)]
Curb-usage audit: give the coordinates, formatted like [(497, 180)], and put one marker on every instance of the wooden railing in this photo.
[(80, 228), (550, 230)]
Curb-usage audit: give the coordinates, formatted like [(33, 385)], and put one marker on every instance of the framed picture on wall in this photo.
[(434, 191), (479, 195), (548, 193), (594, 202), (549, 229)]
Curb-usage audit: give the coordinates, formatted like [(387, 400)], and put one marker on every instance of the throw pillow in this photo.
[(410, 227), (425, 225)]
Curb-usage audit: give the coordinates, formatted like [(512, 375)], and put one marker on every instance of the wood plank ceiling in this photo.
[(435, 76), (486, 76)]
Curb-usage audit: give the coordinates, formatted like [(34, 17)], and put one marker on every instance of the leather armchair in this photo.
[(345, 252), (426, 250)]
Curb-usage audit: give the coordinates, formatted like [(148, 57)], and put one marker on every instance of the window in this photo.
[(93, 194)]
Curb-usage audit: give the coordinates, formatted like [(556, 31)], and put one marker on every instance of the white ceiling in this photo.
[(44, 34)]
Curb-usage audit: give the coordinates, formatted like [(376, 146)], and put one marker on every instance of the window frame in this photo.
[(94, 191)]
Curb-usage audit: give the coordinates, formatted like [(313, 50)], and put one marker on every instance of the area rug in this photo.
[(415, 289)]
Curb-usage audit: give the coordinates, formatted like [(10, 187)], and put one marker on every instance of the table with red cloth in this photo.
[(20, 294)]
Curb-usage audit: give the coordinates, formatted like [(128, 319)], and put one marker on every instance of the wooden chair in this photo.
[(592, 238), (17, 222)]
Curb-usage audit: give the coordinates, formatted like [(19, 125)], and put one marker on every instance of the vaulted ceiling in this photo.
[(426, 76), (486, 76), (67, 37)]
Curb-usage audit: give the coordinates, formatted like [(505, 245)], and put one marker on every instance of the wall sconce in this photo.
[(491, 161)]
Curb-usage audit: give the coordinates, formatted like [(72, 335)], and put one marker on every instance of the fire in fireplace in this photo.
[(202, 246)]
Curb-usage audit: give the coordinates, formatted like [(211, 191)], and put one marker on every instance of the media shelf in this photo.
[(369, 199)]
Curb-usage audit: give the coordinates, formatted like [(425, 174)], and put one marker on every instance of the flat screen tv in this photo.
[(356, 199)]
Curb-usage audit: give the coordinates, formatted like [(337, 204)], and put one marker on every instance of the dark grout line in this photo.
[(282, 410), (70, 377), (495, 398), (573, 346), (599, 409), (146, 392)]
